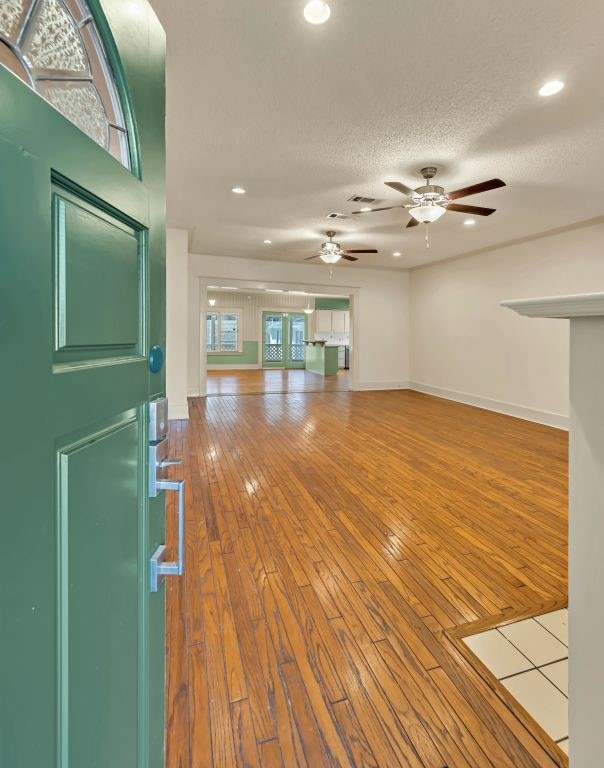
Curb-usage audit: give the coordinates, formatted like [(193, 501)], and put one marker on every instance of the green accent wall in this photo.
[(332, 303), (249, 356)]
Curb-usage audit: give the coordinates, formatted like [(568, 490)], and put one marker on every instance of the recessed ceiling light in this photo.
[(238, 190), (267, 242), (298, 293), (228, 288), (470, 222), (364, 210), (274, 290), (316, 12), (549, 89), (396, 253)]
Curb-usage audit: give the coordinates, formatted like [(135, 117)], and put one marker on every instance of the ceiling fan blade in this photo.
[(371, 210), (360, 250), (477, 210), (484, 186), (351, 258), (403, 188), (308, 258), (412, 223)]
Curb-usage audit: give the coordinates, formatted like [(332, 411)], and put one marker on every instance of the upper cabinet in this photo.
[(332, 321), (338, 323)]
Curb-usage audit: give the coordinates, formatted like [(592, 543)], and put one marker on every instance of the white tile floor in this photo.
[(530, 658)]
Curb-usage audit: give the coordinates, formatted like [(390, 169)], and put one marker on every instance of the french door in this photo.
[(283, 335), (82, 304)]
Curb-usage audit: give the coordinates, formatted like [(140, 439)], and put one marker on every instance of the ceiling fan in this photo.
[(331, 252), (429, 202)]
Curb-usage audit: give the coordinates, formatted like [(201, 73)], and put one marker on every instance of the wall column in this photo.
[(177, 276), (586, 515)]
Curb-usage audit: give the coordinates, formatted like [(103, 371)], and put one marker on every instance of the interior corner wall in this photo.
[(177, 247), (466, 347), (380, 312)]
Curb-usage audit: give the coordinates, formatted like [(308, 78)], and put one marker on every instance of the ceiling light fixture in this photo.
[(316, 12), (211, 302), (549, 89), (396, 253), (469, 222), (330, 252), (274, 290), (238, 190), (228, 288), (267, 242), (309, 310), (365, 210), (427, 213), (298, 293)]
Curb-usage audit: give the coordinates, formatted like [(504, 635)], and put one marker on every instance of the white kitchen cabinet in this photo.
[(323, 321), (332, 321), (338, 323)]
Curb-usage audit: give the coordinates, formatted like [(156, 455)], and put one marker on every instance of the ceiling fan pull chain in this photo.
[(427, 241)]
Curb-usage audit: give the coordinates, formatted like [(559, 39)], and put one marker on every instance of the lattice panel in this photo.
[(273, 353), (296, 353)]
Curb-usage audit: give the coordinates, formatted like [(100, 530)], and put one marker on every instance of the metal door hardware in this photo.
[(158, 568), (158, 482), (158, 419)]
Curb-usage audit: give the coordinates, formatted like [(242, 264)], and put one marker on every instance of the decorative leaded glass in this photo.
[(11, 17), (80, 103), (54, 47), (54, 43)]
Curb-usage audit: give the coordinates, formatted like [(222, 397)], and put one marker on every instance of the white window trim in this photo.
[(220, 312)]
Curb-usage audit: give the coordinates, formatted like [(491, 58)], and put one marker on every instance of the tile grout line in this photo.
[(535, 618)]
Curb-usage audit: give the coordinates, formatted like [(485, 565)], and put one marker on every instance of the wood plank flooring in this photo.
[(332, 539), (272, 380)]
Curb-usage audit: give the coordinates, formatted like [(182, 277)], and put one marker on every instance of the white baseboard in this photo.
[(178, 411), (366, 386), (509, 409), (227, 367)]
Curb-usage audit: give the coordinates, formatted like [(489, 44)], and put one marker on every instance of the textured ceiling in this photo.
[(305, 116)]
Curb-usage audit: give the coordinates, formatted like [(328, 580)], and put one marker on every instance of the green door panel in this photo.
[(98, 575), (96, 266), (82, 300)]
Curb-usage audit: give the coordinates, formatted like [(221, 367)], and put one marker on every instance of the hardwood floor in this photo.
[(269, 380), (332, 539)]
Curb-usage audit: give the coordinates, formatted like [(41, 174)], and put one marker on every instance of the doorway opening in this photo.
[(274, 340)]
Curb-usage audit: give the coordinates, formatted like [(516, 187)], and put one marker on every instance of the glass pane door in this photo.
[(272, 341), (283, 335), (296, 332)]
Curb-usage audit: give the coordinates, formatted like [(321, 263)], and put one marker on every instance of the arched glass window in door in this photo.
[(54, 46)]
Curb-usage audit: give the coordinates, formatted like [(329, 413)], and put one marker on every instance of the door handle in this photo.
[(158, 568)]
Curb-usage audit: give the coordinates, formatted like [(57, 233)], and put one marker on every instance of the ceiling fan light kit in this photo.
[(430, 202), (331, 252), (427, 212)]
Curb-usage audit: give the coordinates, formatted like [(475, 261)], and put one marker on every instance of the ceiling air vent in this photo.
[(361, 199), (336, 216)]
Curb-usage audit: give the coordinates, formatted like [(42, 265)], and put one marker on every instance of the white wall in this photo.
[(177, 247), (380, 311), (465, 346)]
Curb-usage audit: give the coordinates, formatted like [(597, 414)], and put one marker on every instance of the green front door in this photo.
[(283, 335), (81, 304)]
